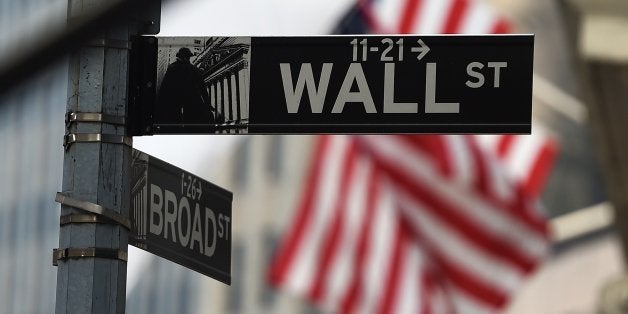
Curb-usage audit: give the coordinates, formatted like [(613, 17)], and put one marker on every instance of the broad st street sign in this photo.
[(333, 84), (181, 217)]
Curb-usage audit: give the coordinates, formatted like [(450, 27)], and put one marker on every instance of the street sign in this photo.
[(180, 217), (333, 84)]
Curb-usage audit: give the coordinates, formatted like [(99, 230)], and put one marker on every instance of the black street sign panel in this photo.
[(333, 84), (181, 217)]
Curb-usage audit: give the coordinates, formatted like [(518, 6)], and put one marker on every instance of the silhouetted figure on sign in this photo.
[(183, 96)]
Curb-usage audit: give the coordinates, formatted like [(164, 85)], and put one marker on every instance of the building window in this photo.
[(241, 164), (236, 293), (274, 159)]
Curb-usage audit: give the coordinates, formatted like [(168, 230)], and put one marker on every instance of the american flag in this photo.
[(417, 224), (424, 17)]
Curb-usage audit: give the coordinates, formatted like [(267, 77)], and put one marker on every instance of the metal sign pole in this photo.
[(92, 253), (93, 238)]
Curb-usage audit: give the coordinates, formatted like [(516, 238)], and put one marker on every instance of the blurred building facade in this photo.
[(265, 174), (31, 131)]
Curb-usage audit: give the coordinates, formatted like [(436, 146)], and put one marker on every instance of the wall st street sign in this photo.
[(333, 84), (180, 217)]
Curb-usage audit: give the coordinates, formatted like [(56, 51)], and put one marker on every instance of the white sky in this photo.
[(250, 17)]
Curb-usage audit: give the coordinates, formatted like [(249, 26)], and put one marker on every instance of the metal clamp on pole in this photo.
[(88, 252), (92, 208), (72, 117), (83, 218), (72, 138)]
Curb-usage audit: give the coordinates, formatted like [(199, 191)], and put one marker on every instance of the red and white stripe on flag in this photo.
[(433, 17), (409, 224), (418, 224), (527, 159)]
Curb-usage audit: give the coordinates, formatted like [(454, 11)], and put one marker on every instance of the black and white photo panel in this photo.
[(202, 84)]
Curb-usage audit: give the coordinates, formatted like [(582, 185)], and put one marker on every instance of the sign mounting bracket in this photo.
[(72, 138), (88, 252), (72, 117), (97, 210)]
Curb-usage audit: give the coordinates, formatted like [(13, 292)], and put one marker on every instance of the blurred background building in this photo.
[(30, 163), (265, 173)]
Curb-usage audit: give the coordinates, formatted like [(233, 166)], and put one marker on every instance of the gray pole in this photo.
[(91, 275)]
